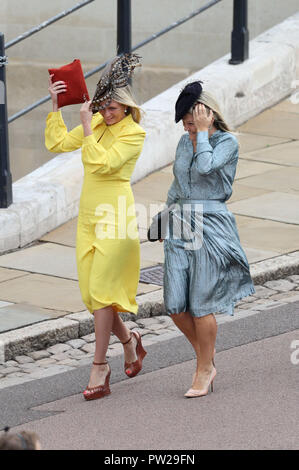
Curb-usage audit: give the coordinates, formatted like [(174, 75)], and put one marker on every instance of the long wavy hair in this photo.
[(209, 101)]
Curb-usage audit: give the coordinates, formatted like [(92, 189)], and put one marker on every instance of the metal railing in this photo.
[(239, 53), (43, 25)]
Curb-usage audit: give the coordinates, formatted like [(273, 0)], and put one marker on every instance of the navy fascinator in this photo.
[(188, 96)]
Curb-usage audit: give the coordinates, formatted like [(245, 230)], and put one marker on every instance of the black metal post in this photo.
[(240, 34), (5, 175), (123, 26)]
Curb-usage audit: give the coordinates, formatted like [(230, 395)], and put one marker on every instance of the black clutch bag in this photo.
[(159, 228)]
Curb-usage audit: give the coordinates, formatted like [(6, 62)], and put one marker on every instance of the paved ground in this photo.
[(254, 405), (36, 285), (75, 353)]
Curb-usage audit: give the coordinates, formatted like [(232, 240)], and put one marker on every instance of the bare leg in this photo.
[(184, 321), (187, 324), (103, 320), (122, 332), (206, 331)]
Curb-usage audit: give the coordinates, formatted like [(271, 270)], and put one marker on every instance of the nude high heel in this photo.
[(193, 393), (92, 393)]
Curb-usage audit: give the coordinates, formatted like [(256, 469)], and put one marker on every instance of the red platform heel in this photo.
[(134, 368), (92, 393)]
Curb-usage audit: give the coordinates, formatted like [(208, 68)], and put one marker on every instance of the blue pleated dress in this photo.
[(210, 276)]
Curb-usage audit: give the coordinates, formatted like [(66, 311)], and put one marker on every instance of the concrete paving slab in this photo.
[(46, 258), (285, 154), (153, 252), (63, 235), (15, 316), (277, 206), (254, 254), (242, 191), (287, 105), (142, 234), (148, 206), (168, 169), (248, 168), (145, 288), (146, 263), (249, 142), (44, 291), (273, 123), (6, 274), (267, 235), (156, 184)]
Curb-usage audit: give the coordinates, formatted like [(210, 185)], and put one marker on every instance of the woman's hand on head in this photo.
[(54, 89), (202, 117)]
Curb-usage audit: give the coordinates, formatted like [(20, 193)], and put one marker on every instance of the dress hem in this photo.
[(223, 309), (116, 307)]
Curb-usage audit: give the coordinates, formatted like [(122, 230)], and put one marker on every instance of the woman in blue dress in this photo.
[(211, 273)]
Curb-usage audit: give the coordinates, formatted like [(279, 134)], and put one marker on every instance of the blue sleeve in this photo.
[(208, 159)]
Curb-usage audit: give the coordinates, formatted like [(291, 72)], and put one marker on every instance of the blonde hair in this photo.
[(208, 100), (125, 96), (25, 440)]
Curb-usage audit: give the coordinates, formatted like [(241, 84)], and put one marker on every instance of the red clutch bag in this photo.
[(72, 75)]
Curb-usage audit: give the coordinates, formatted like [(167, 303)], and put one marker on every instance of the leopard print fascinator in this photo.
[(116, 75)]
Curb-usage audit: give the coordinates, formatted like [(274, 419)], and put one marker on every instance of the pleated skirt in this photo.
[(211, 273)]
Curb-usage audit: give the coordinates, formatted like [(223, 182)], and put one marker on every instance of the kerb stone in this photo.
[(36, 337), (151, 304), (85, 322)]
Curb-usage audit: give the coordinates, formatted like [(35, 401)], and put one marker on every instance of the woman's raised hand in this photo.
[(54, 89), (86, 112), (202, 117), (86, 116)]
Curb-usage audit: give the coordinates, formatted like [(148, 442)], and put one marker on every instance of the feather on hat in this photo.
[(116, 75)]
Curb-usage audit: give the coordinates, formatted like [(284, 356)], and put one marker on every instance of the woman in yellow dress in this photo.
[(107, 243)]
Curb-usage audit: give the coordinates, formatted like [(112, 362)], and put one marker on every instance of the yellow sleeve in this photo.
[(57, 138), (127, 146)]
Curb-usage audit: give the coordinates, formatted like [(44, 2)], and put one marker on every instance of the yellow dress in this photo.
[(107, 242)]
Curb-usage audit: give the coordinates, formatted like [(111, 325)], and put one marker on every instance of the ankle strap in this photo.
[(131, 336), (100, 363)]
